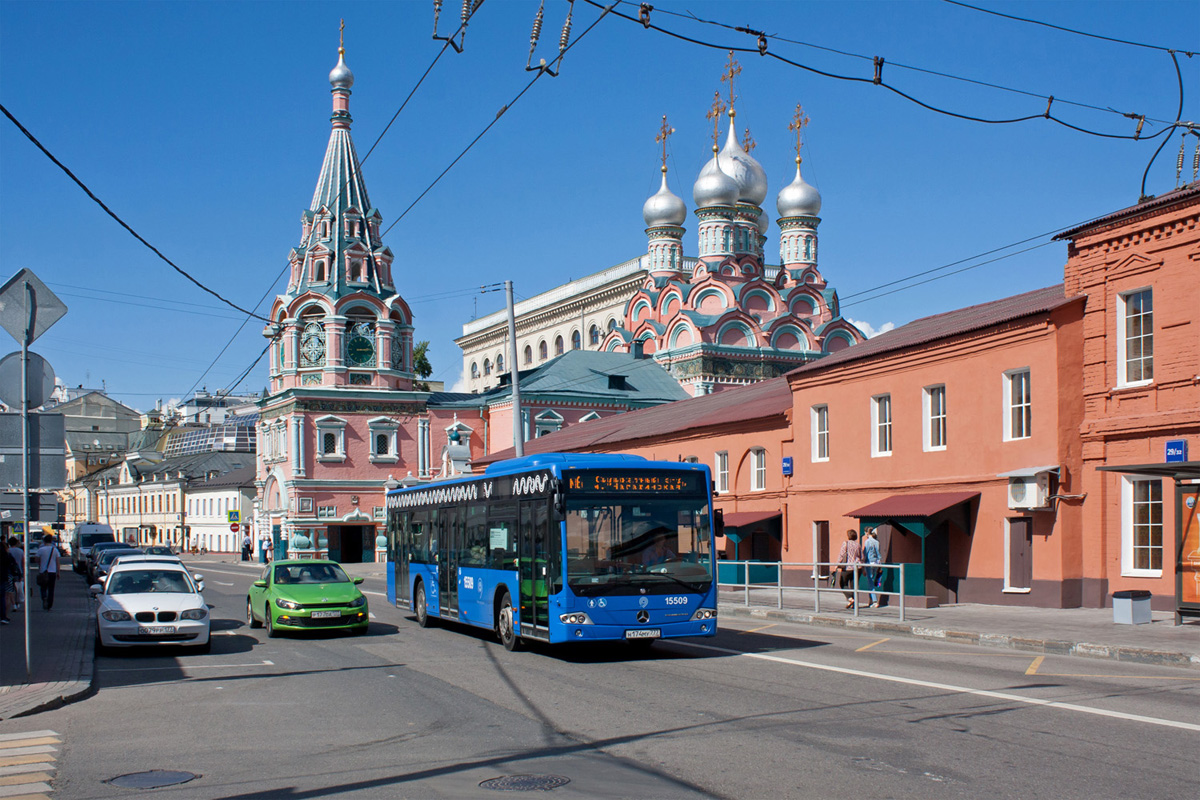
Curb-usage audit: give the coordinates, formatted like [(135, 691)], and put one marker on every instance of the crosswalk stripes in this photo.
[(27, 762)]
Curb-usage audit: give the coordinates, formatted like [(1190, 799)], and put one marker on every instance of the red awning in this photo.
[(909, 506), (742, 519)]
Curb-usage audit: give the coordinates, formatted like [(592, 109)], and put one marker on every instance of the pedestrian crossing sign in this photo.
[(234, 517)]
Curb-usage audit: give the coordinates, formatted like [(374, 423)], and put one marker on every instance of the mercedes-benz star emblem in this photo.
[(643, 617)]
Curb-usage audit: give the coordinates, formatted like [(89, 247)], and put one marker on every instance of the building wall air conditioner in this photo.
[(1029, 492)]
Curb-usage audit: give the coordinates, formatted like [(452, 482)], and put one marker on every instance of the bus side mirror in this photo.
[(560, 502), (719, 516)]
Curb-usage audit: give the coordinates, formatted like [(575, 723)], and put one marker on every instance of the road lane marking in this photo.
[(872, 644), (27, 764), (189, 666), (8, 737), (376, 594), (763, 628), (222, 583), (1033, 668), (23, 780), (947, 687)]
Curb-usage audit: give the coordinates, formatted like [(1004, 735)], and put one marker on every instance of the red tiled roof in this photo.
[(907, 506), (943, 326), (756, 401), (1192, 190)]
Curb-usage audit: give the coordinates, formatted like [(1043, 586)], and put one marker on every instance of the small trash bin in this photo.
[(1131, 607)]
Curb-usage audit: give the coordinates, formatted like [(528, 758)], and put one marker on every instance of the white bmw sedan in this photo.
[(151, 603)]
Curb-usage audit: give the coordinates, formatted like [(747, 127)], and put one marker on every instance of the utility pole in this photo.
[(518, 427)]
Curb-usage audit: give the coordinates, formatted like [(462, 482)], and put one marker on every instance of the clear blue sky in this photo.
[(203, 125)]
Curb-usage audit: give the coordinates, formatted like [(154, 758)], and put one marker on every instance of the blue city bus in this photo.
[(559, 547)]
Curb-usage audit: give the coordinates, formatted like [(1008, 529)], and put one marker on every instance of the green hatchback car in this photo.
[(306, 595)]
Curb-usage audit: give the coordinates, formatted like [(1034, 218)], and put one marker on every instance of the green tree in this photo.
[(421, 365)]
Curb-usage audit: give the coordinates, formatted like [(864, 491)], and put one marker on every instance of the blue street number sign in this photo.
[(1177, 450), (787, 465)]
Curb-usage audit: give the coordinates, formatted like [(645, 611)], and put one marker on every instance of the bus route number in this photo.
[(676, 600)]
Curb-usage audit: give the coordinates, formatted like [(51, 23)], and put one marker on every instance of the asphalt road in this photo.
[(760, 711)]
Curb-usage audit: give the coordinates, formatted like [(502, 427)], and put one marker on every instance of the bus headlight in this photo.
[(575, 618), (704, 613)]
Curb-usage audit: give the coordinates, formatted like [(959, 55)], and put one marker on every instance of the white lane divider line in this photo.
[(948, 687), (263, 663)]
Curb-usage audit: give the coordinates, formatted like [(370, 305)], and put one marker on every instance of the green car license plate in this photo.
[(325, 614), (157, 630), (644, 633)]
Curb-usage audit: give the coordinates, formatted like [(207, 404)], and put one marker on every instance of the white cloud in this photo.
[(461, 385), (870, 330)]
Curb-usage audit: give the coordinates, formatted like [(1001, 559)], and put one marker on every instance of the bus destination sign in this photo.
[(634, 482)]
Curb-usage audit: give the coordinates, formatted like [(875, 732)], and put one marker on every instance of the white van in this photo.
[(84, 536)]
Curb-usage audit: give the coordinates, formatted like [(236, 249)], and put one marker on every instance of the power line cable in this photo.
[(878, 80), (1188, 53)]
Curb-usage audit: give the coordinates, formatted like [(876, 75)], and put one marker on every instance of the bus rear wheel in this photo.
[(504, 624), (422, 605)]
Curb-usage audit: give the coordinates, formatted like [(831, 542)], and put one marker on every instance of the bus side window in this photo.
[(419, 539), (475, 546)]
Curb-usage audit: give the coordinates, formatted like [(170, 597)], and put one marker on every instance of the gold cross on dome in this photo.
[(663, 133), (798, 123), (715, 115), (342, 37), (732, 70), (748, 143)]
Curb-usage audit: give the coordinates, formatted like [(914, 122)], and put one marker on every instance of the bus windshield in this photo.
[(657, 544)]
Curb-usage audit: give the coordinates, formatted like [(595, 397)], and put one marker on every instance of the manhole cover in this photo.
[(152, 779), (525, 783)]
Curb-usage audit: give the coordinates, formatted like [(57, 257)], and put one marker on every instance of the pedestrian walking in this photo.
[(18, 590), (870, 548), (47, 556), (848, 556), (8, 568), (246, 547)]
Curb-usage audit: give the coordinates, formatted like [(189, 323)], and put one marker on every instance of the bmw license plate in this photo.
[(644, 633), (157, 630), (325, 614)]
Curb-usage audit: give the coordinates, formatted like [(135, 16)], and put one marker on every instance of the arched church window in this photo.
[(558, 345), (499, 363), (319, 271), (576, 342), (542, 350), (612, 325), (474, 370), (487, 366), (398, 351), (594, 335), (360, 340), (312, 341), (528, 354)]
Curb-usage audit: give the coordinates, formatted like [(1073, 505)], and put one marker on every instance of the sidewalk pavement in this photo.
[(60, 650), (1088, 632), (62, 641)]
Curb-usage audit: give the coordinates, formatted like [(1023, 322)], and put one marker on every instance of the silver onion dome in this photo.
[(714, 187), (763, 222), (340, 76), (744, 169), (664, 207), (798, 198)]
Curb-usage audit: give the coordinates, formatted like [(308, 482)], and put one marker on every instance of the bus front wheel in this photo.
[(504, 623), (422, 606)]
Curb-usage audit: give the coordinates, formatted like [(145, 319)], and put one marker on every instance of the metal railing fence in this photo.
[(818, 577)]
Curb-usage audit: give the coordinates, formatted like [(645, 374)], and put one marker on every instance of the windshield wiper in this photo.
[(691, 587)]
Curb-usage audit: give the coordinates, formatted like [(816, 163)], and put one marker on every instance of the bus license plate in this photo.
[(644, 633), (158, 630), (325, 614)]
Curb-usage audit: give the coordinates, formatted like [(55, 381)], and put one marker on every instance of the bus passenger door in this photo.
[(535, 547), (448, 552)]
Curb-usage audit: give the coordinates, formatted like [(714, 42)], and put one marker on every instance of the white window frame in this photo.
[(881, 426), (933, 423), (336, 426), (548, 421), (1128, 531), (384, 426), (819, 415), (721, 464), (758, 469), (1009, 407), (1123, 363)]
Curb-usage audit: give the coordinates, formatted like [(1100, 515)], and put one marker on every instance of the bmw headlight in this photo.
[(576, 618), (116, 615), (704, 613), (194, 613), (290, 605), (357, 602)]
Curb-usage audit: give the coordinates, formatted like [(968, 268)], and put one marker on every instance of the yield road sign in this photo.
[(14, 306)]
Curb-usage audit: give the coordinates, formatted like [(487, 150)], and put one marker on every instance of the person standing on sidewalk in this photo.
[(15, 590), (848, 556), (47, 570), (870, 550), (7, 569)]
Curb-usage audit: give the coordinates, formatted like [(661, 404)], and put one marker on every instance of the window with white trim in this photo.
[(758, 469), (1135, 338), (722, 468), (1018, 405), (1141, 527), (331, 438), (383, 437), (820, 433), (881, 425), (934, 417)]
